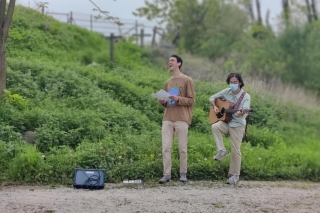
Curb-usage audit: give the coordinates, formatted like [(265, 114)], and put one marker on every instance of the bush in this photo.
[(8, 151), (262, 136), (62, 161), (28, 167)]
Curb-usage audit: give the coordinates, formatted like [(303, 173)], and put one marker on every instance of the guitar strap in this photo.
[(236, 106)]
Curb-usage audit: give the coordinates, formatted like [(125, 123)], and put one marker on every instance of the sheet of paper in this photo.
[(161, 95), (132, 181)]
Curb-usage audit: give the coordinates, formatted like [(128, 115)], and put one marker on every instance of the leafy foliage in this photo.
[(221, 29)]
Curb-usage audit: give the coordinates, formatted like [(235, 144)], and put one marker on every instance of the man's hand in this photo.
[(216, 109), (162, 102), (240, 113), (174, 97)]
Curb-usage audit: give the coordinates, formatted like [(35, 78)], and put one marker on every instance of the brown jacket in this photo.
[(180, 110)]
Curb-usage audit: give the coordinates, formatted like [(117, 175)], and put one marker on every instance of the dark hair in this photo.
[(179, 60), (236, 75)]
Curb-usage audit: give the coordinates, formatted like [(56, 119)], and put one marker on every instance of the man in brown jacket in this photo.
[(177, 117)]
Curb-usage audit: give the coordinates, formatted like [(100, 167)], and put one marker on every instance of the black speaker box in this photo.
[(89, 178)]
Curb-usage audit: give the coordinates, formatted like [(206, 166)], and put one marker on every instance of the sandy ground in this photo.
[(174, 197)]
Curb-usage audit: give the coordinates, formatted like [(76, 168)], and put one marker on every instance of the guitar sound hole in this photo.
[(219, 115)]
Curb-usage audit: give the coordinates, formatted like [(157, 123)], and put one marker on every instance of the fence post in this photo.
[(136, 28), (177, 37), (71, 18), (154, 36), (112, 38), (169, 48), (111, 47), (142, 35), (91, 23), (68, 18)]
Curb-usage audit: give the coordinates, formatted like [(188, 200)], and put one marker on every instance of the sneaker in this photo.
[(221, 154), (183, 177), (165, 178), (233, 180)]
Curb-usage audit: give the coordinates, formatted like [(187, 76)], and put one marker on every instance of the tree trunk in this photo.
[(248, 5), (286, 12), (267, 19), (5, 21), (3, 64), (314, 9), (259, 12), (2, 49), (309, 11)]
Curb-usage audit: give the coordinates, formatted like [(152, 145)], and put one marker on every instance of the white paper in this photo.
[(132, 181), (161, 95)]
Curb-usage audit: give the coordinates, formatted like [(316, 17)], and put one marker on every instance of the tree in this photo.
[(267, 19), (309, 11), (248, 6), (6, 14), (314, 9), (207, 27), (286, 12), (259, 12), (41, 5)]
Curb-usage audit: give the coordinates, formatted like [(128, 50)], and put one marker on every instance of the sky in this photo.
[(121, 8)]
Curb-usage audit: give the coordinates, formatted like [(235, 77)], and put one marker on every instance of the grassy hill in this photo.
[(103, 115)]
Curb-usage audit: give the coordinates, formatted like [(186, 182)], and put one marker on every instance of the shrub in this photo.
[(28, 166)]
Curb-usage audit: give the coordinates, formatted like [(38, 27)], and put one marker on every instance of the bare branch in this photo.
[(106, 15)]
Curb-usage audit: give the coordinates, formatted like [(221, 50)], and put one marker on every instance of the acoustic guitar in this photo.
[(225, 111)]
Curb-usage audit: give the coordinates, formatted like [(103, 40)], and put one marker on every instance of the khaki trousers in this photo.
[(236, 135), (169, 129)]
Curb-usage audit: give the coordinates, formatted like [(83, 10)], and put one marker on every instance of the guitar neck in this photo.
[(235, 110), (230, 110)]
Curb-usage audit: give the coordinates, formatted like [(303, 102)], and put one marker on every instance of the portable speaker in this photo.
[(89, 178)]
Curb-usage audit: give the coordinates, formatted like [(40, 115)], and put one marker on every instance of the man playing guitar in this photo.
[(240, 101)]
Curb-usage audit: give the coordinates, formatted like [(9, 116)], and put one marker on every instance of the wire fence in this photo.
[(143, 32), (106, 27)]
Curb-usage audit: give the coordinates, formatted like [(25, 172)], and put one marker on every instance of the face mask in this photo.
[(234, 87)]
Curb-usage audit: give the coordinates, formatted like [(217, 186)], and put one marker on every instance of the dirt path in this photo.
[(174, 197)]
